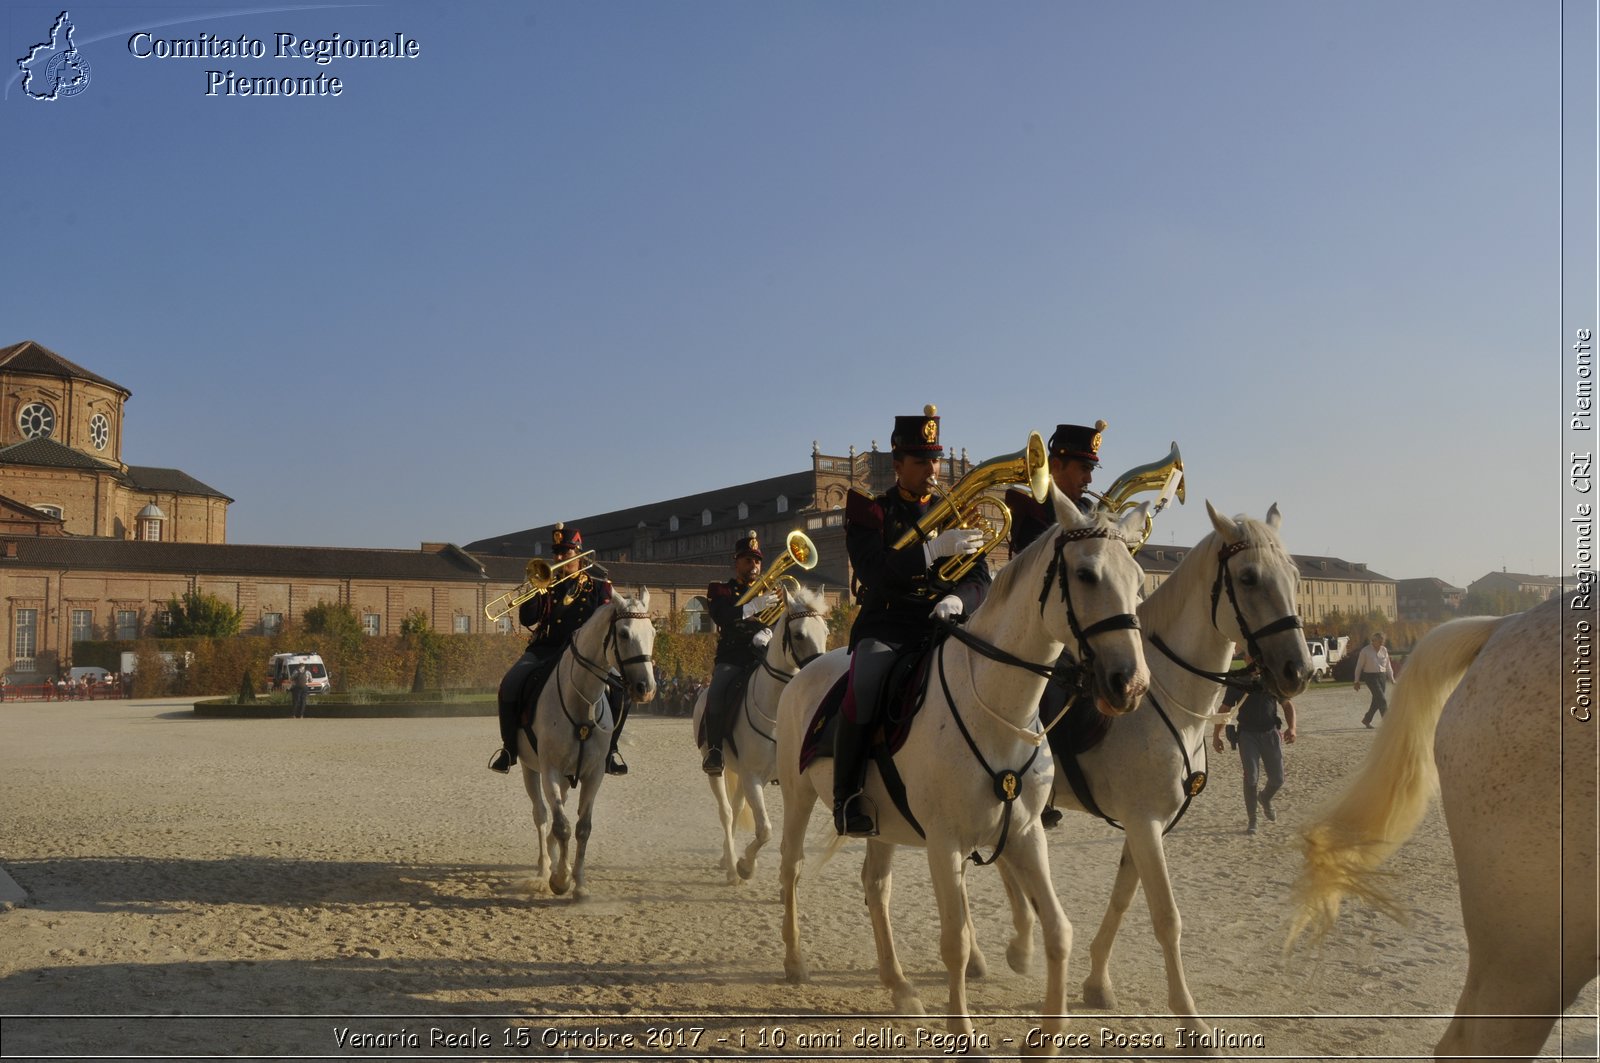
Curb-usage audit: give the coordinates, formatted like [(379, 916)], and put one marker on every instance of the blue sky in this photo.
[(579, 256)]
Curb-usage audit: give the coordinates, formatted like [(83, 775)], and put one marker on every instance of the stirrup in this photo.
[(853, 824), (615, 765), (711, 763), (501, 761)]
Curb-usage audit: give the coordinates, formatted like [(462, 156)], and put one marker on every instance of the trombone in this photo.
[(798, 550), (540, 578)]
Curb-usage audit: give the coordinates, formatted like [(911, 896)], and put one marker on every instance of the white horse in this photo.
[(750, 752), (975, 743), (573, 724), (1514, 746), (1236, 586)]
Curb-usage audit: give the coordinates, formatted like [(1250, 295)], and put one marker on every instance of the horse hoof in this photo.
[(558, 886), (977, 966), (1019, 956), (906, 1001), (795, 972), (1098, 996), (746, 869)]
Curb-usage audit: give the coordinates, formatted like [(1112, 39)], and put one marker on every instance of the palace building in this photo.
[(92, 547)]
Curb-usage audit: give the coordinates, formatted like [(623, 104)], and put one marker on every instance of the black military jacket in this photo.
[(895, 587), (1030, 519), (734, 631), (554, 616)]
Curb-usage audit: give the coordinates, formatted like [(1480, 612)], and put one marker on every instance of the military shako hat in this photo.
[(1077, 441), (749, 546), (918, 434), (565, 537)]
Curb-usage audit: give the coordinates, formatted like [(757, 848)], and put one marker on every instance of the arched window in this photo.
[(783, 503), (705, 517), (744, 511), (697, 617), (672, 523)]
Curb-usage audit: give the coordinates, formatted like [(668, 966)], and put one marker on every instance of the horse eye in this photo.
[(1249, 577), (1087, 575)]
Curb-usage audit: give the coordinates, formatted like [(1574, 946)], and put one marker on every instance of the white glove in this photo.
[(947, 607), (757, 605), (760, 639), (953, 542)]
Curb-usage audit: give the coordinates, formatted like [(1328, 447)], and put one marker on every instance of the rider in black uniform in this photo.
[(741, 638), (553, 616), (1074, 455), (899, 596)]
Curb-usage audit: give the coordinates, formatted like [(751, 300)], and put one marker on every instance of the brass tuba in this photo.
[(1165, 476), (963, 505), (798, 550), (540, 577)]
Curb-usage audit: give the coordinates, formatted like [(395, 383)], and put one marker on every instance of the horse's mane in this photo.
[(1043, 544), (809, 600), (1193, 574)]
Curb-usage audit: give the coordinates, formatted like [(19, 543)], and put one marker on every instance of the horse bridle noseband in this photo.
[(583, 730), (1007, 783)]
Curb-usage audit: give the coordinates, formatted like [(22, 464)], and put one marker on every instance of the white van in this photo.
[(280, 671)]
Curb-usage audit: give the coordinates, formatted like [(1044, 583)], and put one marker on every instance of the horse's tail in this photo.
[(1382, 805)]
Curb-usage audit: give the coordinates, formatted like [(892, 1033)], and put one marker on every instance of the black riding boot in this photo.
[(506, 755), (711, 763), (615, 765), (850, 816)]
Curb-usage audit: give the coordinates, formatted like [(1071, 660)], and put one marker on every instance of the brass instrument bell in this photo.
[(540, 577), (798, 551)]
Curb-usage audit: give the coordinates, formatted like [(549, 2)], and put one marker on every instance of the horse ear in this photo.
[(1228, 529), (1068, 515), (1274, 518), (644, 598), (1131, 524)]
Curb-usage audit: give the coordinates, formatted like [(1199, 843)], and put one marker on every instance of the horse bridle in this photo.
[(1007, 783), (583, 730), (782, 677), (1224, 579)]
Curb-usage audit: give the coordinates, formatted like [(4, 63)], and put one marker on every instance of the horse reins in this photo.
[(1007, 783), (782, 677)]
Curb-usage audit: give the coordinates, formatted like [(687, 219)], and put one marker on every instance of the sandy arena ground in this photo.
[(211, 888)]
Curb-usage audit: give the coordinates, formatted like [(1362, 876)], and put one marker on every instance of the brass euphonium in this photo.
[(962, 505), (540, 577), (1165, 476), (798, 551)]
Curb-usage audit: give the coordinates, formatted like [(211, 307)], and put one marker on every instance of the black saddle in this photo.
[(901, 697)]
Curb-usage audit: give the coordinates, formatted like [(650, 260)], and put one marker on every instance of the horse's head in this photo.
[(1094, 583), (633, 643), (805, 627), (1253, 599)]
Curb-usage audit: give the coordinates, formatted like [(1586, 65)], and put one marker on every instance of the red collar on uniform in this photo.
[(909, 497)]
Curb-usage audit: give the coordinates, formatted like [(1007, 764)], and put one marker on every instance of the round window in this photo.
[(99, 431), (37, 420)]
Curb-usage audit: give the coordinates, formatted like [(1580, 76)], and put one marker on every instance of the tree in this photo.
[(417, 630), (335, 619), (198, 614)]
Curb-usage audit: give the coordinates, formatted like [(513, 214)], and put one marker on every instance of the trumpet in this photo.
[(1165, 476), (540, 577), (798, 551), (963, 505)]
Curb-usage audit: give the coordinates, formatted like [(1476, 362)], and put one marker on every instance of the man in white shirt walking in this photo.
[(1374, 668)]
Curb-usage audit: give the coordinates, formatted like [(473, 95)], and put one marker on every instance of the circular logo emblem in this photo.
[(1197, 782), (67, 73), (930, 431), (583, 733)]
